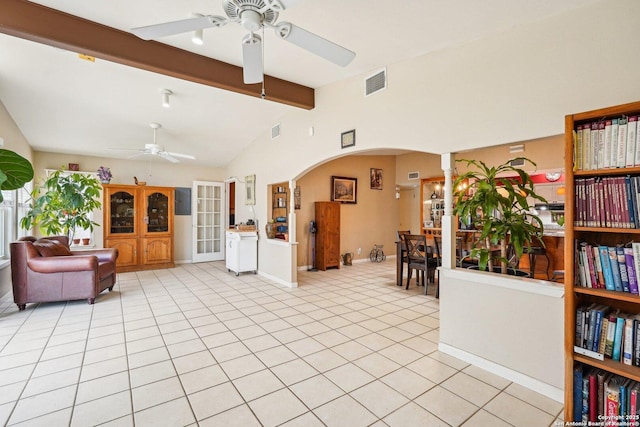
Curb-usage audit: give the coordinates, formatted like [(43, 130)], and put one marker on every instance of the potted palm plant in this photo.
[(495, 202), (63, 204)]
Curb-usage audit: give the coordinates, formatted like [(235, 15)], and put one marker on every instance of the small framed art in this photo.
[(348, 138), (344, 190), (376, 179)]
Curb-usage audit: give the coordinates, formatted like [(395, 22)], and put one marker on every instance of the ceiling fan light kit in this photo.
[(198, 35), (253, 15)]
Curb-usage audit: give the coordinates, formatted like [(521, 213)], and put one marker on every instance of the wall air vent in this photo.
[(413, 175), (275, 131), (517, 162), (376, 82)]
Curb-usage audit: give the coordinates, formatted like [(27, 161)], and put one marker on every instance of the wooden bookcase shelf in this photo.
[(575, 295)]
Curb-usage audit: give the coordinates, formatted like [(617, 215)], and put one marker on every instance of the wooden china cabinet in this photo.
[(138, 221)]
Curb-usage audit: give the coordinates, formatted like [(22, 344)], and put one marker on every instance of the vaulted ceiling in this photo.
[(69, 105)]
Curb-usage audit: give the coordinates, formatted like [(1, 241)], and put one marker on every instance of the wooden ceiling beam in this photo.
[(32, 21)]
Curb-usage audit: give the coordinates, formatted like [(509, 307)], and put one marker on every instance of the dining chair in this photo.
[(418, 254), (434, 262), (403, 252)]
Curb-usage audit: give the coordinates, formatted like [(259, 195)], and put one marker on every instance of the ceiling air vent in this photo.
[(275, 131), (413, 175), (375, 82)]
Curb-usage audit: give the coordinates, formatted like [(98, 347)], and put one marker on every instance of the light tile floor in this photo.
[(196, 345)]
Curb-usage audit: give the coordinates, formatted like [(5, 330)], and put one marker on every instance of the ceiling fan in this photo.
[(253, 15), (155, 149)]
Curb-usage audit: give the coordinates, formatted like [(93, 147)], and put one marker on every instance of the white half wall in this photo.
[(509, 326)]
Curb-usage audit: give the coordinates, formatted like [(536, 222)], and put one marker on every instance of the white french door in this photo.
[(208, 221)]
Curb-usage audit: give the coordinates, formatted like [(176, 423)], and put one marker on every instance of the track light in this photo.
[(197, 37), (165, 97)]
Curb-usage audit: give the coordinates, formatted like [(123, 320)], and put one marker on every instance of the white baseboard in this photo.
[(278, 280), (355, 261), (538, 386)]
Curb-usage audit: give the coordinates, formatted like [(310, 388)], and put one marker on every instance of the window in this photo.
[(12, 209)]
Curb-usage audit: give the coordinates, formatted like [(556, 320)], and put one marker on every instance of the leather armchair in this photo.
[(46, 270)]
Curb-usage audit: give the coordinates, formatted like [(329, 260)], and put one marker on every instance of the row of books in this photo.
[(607, 143), (614, 268), (604, 399), (610, 201), (605, 333)]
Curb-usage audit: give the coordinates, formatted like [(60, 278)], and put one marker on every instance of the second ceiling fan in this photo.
[(253, 15)]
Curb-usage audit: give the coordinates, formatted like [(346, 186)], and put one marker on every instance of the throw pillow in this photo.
[(48, 248)]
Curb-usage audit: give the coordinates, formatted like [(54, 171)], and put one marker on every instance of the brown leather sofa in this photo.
[(46, 270)]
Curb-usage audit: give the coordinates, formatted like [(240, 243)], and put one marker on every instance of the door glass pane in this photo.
[(121, 209), (157, 213)]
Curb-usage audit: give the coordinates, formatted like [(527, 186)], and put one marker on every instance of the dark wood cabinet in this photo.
[(327, 235), (138, 221)]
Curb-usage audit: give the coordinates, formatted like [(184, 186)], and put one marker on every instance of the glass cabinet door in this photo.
[(157, 215), (122, 212)]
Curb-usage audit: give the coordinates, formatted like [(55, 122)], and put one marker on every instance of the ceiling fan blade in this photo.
[(166, 156), (123, 149), (184, 156), (141, 153), (315, 44), (252, 59), (176, 27)]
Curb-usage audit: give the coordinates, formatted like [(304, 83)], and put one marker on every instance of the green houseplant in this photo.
[(15, 171), (63, 203), (498, 208)]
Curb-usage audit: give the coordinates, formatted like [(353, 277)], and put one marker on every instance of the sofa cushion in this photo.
[(48, 248)]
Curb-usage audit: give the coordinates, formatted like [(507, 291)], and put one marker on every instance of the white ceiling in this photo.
[(67, 105)]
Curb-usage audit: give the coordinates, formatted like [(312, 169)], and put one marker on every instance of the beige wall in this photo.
[(14, 141), (154, 171), (373, 220), (547, 153)]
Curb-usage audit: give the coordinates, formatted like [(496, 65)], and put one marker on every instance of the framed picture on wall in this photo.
[(250, 183), (348, 138), (376, 179), (344, 190)]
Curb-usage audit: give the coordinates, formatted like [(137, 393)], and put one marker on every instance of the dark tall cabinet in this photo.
[(328, 235)]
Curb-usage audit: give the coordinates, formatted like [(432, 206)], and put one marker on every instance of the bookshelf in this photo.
[(584, 163)]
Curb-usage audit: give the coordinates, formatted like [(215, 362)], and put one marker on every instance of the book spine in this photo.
[(617, 341), (606, 268), (631, 141), (593, 275), (631, 218), (622, 266), (637, 159), (602, 340), (601, 145), (615, 269), (612, 402), (611, 335), (607, 144), (595, 145), (614, 142), (631, 270), (627, 346), (598, 266), (636, 342), (622, 142), (577, 393), (586, 147)]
